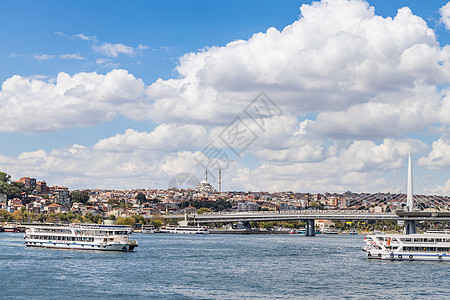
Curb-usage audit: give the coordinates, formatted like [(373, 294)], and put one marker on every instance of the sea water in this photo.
[(170, 266)]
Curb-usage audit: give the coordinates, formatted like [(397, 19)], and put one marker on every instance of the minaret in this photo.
[(409, 193), (220, 180), (206, 174)]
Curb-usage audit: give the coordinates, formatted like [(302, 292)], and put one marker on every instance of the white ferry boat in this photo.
[(427, 246), (80, 237), (148, 229), (184, 229)]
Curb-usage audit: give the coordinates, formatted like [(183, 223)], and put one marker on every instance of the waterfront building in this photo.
[(248, 206), (41, 187), (28, 182), (60, 194)]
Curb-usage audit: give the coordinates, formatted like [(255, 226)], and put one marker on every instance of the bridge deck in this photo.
[(229, 217)]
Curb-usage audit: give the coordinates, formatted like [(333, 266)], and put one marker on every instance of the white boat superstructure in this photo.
[(427, 246), (80, 237), (184, 229)]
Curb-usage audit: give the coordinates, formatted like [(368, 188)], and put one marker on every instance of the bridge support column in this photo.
[(310, 229), (410, 227)]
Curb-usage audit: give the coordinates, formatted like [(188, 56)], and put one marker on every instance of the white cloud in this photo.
[(142, 47), (365, 78), (439, 157), (52, 56), (43, 56), (165, 137), (71, 56), (359, 166), (113, 50), (337, 55), (139, 159), (445, 15), (85, 37), (84, 99), (387, 116)]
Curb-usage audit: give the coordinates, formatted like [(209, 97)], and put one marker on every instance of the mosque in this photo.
[(205, 187)]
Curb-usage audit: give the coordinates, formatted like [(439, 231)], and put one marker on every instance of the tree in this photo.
[(140, 198), (5, 215), (157, 223), (79, 196), (203, 210), (5, 177), (138, 219), (113, 201), (125, 221), (13, 189), (18, 215)]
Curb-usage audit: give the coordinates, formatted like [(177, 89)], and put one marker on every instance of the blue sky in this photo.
[(152, 40)]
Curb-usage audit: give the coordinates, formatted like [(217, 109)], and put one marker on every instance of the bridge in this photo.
[(309, 216), (409, 217)]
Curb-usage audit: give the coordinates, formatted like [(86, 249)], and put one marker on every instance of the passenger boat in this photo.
[(80, 237), (427, 246), (148, 229), (330, 231), (10, 228), (184, 229)]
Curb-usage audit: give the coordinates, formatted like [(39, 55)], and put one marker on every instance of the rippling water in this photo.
[(216, 267)]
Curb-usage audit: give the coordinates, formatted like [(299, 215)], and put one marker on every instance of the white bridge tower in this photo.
[(410, 225)]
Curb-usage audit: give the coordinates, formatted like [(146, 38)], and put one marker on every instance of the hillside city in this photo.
[(30, 200)]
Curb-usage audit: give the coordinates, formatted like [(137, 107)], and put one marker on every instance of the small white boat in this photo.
[(80, 237), (184, 229), (10, 228), (148, 229), (330, 231)]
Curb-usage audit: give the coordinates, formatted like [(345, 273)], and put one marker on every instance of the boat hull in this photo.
[(183, 232), (416, 256), (74, 246)]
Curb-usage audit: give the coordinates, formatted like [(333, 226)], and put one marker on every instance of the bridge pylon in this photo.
[(409, 225), (310, 229)]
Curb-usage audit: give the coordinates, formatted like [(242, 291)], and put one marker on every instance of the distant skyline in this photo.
[(130, 94)]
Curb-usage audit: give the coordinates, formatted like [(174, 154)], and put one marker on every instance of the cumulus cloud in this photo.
[(368, 81), (165, 137), (439, 157), (358, 166), (445, 15), (337, 55), (389, 117), (113, 50), (85, 99), (140, 159)]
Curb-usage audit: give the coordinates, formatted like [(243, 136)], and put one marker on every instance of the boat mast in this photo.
[(409, 194)]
